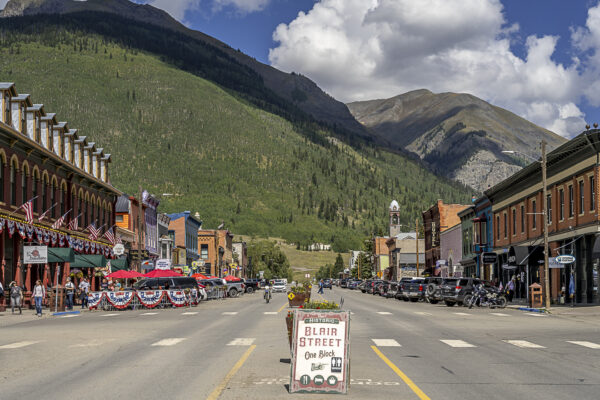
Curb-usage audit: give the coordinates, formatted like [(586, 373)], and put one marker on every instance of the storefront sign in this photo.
[(552, 263), (119, 249), (489, 258), (565, 259), (35, 254), (163, 263), (320, 351)]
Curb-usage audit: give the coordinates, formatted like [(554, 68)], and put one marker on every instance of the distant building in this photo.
[(216, 251), (353, 262), (185, 228), (240, 260), (394, 218), (319, 247), (450, 252), (403, 255), (165, 241)]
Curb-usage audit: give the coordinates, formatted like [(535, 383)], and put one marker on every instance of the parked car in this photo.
[(382, 288), (175, 282), (279, 286), (391, 290), (344, 283), (354, 284), (414, 290), (327, 283), (433, 292), (252, 285), (454, 291), (235, 288), (401, 285)]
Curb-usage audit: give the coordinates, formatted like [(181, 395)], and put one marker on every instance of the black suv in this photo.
[(433, 292), (175, 282), (454, 290)]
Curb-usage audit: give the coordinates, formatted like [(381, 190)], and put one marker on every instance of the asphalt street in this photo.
[(238, 349)]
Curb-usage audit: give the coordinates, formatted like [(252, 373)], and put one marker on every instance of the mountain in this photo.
[(181, 116), (293, 88), (457, 135)]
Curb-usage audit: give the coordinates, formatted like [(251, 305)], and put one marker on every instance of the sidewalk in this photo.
[(563, 309)]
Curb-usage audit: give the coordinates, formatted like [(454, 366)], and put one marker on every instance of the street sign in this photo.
[(35, 254), (119, 249), (262, 273), (489, 258), (565, 259), (163, 263), (307, 276), (291, 296), (320, 351)]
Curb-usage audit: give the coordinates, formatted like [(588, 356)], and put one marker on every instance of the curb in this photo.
[(66, 312), (539, 310)]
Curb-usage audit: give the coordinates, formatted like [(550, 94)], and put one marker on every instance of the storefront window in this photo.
[(561, 209), (549, 209), (534, 209), (581, 197), (592, 194), (571, 201)]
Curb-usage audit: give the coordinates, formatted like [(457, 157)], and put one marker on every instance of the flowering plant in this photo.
[(320, 305)]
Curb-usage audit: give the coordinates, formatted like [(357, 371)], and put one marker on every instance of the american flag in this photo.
[(28, 207), (94, 232), (46, 213), (110, 236), (58, 223), (74, 223)]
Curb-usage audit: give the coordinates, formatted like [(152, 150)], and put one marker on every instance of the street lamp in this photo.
[(545, 213)]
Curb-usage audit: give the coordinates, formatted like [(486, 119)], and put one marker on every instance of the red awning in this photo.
[(161, 273)]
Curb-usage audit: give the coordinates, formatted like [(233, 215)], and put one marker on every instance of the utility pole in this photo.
[(417, 230), (545, 204), (140, 226)]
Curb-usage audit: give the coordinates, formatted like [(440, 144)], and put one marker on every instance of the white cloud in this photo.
[(366, 49)]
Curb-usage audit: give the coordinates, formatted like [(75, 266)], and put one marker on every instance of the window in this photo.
[(23, 186), (13, 184), (1, 180), (498, 226), (514, 221), (549, 209), (561, 207), (581, 198), (476, 233), (119, 218), (505, 226), (52, 194), (483, 232), (522, 218), (571, 201), (85, 214), (34, 193), (44, 195), (592, 194), (80, 215), (534, 211), (62, 202)]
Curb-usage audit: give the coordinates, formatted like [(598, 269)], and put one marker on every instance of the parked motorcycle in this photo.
[(483, 297), (267, 295)]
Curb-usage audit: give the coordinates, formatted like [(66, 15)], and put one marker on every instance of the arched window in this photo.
[(80, 211), (13, 184), (1, 180), (62, 202), (24, 186), (44, 194), (73, 202), (52, 199), (85, 214), (34, 190)]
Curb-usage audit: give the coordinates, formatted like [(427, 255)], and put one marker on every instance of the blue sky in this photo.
[(536, 58)]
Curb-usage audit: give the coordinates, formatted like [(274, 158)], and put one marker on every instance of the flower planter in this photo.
[(298, 300)]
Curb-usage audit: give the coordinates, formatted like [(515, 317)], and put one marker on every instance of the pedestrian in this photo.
[(84, 288), (320, 287), (1, 291), (70, 290), (117, 285), (510, 286), (104, 285), (38, 294), (16, 296)]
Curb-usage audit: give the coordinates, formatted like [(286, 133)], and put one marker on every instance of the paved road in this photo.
[(237, 349)]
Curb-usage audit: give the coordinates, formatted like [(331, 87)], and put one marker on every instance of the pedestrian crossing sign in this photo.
[(291, 296)]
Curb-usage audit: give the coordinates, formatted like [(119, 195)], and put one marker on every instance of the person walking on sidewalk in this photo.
[(320, 287), (84, 288), (511, 288), (70, 289), (38, 294), (16, 297)]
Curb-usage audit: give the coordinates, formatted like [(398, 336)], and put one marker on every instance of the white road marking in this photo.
[(92, 343), (229, 313), (18, 345), (168, 342), (590, 345), (499, 314), (149, 313), (190, 313), (109, 315), (69, 315), (270, 313), (384, 313), (524, 344), (423, 313), (533, 314), (241, 342), (386, 343), (457, 343), (461, 313)]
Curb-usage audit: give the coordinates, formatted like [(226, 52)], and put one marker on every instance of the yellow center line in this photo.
[(401, 374), (282, 307), (219, 389)]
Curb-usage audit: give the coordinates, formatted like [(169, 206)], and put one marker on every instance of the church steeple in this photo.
[(394, 218)]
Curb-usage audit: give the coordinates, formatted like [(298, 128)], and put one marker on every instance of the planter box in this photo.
[(299, 299), (289, 322)]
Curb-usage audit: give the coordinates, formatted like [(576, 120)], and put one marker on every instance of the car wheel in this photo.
[(405, 299), (232, 292), (249, 289), (449, 303), (414, 299)]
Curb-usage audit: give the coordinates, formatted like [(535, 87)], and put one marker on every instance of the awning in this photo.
[(523, 255), (118, 264), (89, 261), (60, 254)]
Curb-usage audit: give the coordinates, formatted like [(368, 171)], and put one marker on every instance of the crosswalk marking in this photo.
[(589, 345), (457, 343), (524, 344), (533, 314), (461, 313), (18, 345), (499, 314), (229, 313), (270, 313), (149, 313), (168, 342), (190, 313), (241, 342), (384, 313), (423, 313), (386, 343), (109, 315)]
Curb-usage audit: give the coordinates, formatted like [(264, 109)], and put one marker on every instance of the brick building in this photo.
[(216, 251)]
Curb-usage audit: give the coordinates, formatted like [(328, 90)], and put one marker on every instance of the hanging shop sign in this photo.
[(489, 258), (552, 263), (35, 254), (162, 263), (565, 259), (320, 351), (119, 249)]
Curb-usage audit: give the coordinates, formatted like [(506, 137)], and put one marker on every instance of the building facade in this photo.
[(165, 241), (450, 252), (404, 255), (216, 251), (185, 227), (240, 260)]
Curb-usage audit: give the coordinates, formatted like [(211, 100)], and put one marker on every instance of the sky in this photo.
[(537, 58)]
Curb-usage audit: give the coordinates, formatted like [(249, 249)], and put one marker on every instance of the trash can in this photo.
[(60, 292), (535, 295)]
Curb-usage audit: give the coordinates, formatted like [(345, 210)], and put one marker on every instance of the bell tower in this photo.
[(394, 218)]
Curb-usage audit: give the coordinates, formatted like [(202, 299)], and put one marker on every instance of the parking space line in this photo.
[(219, 389), (241, 342), (18, 345), (457, 343), (401, 374), (229, 313), (423, 313), (270, 313), (533, 314), (589, 345), (190, 313), (168, 342), (149, 313), (524, 344), (69, 315), (386, 343), (109, 315), (498, 314), (461, 313)]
